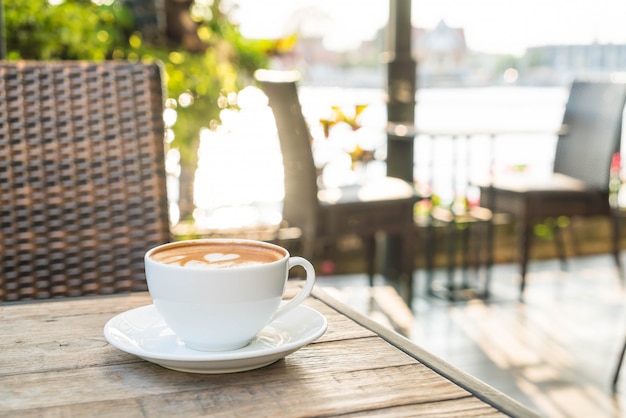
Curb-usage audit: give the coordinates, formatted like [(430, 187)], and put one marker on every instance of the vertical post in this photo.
[(401, 75), (3, 38), (401, 89)]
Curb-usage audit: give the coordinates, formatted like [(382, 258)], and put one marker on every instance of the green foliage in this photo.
[(76, 29), (84, 30)]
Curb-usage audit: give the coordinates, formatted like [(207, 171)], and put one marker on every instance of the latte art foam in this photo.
[(212, 260), (216, 255)]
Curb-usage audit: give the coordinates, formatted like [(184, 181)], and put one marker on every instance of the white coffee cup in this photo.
[(217, 294)]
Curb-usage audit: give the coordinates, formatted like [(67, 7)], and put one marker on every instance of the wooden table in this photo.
[(55, 361)]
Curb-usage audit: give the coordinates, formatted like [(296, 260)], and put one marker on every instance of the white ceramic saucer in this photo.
[(143, 332)]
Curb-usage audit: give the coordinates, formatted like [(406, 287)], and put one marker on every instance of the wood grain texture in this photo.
[(56, 362)]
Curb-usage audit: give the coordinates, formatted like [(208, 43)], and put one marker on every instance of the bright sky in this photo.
[(502, 26)]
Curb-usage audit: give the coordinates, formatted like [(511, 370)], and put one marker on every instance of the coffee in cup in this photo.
[(217, 294), (228, 254)]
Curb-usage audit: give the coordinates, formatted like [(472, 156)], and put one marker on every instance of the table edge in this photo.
[(476, 387)]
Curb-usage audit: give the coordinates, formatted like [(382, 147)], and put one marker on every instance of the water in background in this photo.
[(239, 181)]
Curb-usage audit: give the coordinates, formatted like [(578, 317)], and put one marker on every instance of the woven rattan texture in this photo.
[(82, 179)]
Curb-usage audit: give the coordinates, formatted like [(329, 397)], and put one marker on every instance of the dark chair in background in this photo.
[(579, 186), (82, 178), (386, 206)]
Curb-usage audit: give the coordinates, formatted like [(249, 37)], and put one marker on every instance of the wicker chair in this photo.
[(324, 216), (579, 186), (82, 179)]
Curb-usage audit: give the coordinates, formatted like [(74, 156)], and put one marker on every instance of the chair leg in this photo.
[(429, 254), (451, 257), (465, 257), (490, 203), (489, 255), (618, 368), (408, 255), (559, 243), (616, 221), (476, 241), (616, 254), (370, 254), (526, 238)]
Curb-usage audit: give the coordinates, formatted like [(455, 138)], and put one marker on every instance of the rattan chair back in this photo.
[(82, 179)]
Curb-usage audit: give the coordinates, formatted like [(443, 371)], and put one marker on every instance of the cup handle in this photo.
[(305, 292)]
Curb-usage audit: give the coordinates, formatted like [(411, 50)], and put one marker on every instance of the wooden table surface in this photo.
[(55, 361)]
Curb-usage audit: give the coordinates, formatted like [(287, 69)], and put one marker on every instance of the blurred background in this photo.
[(492, 70), (481, 66)]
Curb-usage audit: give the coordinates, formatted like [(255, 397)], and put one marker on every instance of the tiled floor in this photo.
[(556, 352)]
